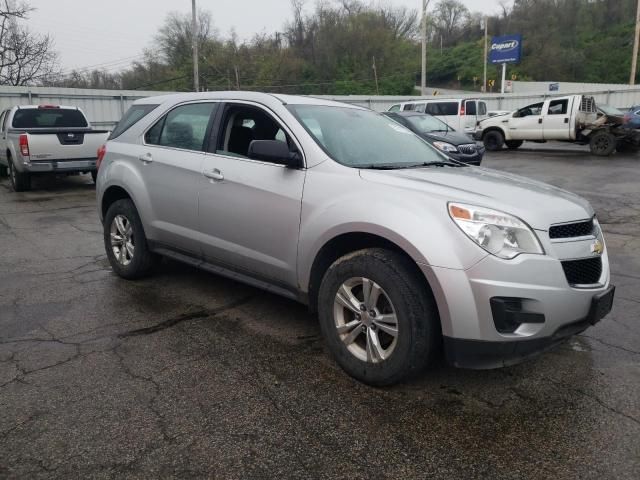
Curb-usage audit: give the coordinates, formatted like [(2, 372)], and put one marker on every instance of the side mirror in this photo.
[(274, 151)]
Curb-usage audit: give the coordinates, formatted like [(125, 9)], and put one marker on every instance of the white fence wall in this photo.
[(105, 107)]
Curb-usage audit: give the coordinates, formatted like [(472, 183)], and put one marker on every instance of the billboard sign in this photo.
[(506, 49)]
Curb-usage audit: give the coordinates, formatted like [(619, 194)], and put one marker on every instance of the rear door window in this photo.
[(558, 107), (442, 108), (47, 117), (130, 118), (470, 107), (184, 127)]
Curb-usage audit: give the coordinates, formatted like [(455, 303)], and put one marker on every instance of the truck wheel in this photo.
[(602, 143), (20, 181), (514, 144), (493, 140), (125, 241), (94, 176), (3, 171), (379, 322)]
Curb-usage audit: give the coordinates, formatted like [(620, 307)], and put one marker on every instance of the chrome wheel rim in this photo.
[(122, 241), (365, 320)]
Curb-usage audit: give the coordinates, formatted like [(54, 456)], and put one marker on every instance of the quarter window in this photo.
[(183, 127)]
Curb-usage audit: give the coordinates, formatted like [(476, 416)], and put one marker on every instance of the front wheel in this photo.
[(20, 181), (514, 144), (493, 140), (602, 143), (125, 241), (377, 316)]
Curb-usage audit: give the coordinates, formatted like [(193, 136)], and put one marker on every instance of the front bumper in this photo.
[(549, 308), (59, 166), (474, 159), (478, 354)]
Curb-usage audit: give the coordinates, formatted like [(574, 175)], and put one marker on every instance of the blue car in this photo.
[(632, 118)]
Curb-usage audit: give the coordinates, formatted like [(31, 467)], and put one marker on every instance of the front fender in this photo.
[(417, 223)]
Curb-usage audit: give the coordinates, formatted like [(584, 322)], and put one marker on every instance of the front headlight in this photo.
[(445, 147), (499, 233)]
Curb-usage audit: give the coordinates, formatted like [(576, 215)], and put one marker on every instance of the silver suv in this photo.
[(400, 250)]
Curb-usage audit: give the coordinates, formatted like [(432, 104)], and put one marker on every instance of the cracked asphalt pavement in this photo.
[(186, 374)]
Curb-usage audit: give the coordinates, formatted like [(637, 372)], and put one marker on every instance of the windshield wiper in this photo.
[(402, 166)]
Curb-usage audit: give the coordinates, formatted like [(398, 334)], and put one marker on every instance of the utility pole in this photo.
[(375, 75), (634, 59), (194, 40), (484, 76), (235, 68), (423, 78)]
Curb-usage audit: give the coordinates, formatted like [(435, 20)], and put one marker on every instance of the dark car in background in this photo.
[(456, 145), (632, 117)]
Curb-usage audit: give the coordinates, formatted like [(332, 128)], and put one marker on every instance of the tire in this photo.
[(20, 181), (129, 263), (602, 143), (94, 176), (493, 140), (401, 290), (514, 144), (4, 171)]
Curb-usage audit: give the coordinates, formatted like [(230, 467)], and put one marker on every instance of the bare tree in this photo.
[(25, 58), (449, 17)]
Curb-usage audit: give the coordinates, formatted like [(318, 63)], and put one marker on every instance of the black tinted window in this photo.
[(130, 118), (482, 108), (183, 127), (48, 118), (442, 108), (470, 107)]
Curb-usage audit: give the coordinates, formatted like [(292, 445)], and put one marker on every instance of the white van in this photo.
[(461, 114)]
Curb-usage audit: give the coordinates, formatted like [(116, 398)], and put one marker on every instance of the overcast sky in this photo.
[(112, 33)]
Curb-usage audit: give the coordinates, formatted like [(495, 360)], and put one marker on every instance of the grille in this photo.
[(583, 272), (467, 149), (568, 230)]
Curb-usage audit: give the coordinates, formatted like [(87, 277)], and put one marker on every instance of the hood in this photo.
[(452, 137), (537, 203)]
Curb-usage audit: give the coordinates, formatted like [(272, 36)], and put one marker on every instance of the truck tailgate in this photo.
[(65, 145)]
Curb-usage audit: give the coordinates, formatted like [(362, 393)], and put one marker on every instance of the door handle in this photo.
[(214, 174), (539, 120), (146, 158), (566, 120)]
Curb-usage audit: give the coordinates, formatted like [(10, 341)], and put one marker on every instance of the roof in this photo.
[(258, 97)]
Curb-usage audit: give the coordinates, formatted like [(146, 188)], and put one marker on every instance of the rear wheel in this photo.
[(493, 140), (602, 143), (94, 176), (514, 144), (378, 320), (125, 241), (20, 181)]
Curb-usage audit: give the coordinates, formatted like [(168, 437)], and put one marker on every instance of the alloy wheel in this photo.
[(365, 320), (122, 241)]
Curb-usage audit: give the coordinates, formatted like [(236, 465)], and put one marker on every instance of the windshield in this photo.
[(427, 123), (364, 139), (609, 110)]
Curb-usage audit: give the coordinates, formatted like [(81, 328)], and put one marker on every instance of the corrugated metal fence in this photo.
[(105, 107)]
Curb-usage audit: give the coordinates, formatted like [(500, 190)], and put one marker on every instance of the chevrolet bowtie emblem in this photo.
[(597, 247)]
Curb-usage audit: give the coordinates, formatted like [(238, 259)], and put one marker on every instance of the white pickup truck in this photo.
[(575, 119), (38, 139)]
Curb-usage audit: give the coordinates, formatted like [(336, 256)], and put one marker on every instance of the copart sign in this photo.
[(506, 49)]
